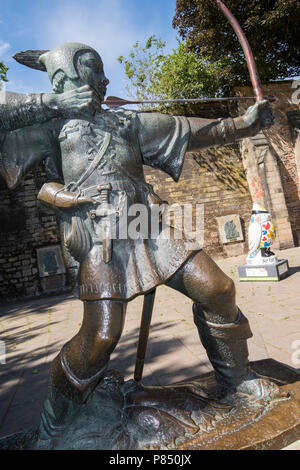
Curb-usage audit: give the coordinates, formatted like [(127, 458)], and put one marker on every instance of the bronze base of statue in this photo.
[(190, 415)]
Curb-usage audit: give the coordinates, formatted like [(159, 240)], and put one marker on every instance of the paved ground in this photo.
[(33, 332)]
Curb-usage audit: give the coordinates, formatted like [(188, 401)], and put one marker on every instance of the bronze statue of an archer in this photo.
[(94, 157)]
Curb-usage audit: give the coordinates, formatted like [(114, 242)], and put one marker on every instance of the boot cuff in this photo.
[(240, 329)]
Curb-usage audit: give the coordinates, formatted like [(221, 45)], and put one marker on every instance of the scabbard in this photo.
[(107, 245), (144, 334)]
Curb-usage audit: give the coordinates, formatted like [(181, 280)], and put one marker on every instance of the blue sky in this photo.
[(110, 26)]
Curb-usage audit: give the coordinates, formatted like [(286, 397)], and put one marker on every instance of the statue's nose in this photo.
[(106, 81)]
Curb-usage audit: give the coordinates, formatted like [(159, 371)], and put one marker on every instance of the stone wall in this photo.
[(24, 227)]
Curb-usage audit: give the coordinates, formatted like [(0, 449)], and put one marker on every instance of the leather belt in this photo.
[(115, 186)]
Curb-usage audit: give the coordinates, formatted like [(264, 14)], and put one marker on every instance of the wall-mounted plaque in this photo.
[(230, 229), (50, 261)]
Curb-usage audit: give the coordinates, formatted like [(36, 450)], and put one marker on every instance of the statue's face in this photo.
[(90, 71)]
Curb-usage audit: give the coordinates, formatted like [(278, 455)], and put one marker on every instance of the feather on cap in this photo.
[(31, 59)]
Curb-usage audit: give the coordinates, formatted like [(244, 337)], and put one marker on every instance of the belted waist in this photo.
[(124, 186)]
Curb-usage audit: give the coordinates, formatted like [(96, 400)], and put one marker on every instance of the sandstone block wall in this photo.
[(24, 227)]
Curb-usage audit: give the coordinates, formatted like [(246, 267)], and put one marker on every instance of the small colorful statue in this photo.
[(262, 233)]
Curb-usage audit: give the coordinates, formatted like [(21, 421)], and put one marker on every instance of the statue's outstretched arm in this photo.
[(21, 110), (208, 133)]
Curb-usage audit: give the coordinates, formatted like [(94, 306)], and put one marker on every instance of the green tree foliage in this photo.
[(271, 27), (180, 74), (183, 74), (3, 70), (141, 67)]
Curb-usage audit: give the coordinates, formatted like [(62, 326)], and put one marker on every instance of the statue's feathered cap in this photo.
[(60, 58)]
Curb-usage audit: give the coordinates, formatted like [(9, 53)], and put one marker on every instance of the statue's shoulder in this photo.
[(120, 115), (119, 119)]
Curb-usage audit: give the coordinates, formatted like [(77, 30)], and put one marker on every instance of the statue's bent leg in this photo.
[(81, 364), (222, 327)]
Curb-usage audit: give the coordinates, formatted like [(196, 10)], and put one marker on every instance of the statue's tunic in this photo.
[(84, 155)]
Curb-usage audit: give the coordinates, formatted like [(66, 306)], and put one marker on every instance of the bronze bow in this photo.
[(255, 80)]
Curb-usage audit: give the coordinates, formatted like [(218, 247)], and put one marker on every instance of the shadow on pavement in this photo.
[(23, 379)]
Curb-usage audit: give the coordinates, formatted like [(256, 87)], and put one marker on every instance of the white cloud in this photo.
[(4, 46)]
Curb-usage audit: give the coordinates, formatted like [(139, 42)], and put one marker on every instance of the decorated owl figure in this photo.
[(262, 233)]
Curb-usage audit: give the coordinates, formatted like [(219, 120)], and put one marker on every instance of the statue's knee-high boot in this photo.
[(226, 347), (66, 394)]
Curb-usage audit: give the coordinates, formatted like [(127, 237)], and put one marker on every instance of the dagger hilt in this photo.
[(103, 210), (104, 190)]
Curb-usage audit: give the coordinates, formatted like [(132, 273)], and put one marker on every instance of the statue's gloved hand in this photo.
[(54, 195), (73, 103), (257, 117), (85, 200)]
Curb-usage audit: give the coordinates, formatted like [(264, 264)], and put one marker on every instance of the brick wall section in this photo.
[(198, 184), (23, 228)]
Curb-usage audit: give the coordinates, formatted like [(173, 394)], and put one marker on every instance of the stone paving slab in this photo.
[(34, 331)]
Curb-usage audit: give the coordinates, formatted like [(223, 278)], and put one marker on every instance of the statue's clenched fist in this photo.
[(74, 103), (257, 117)]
